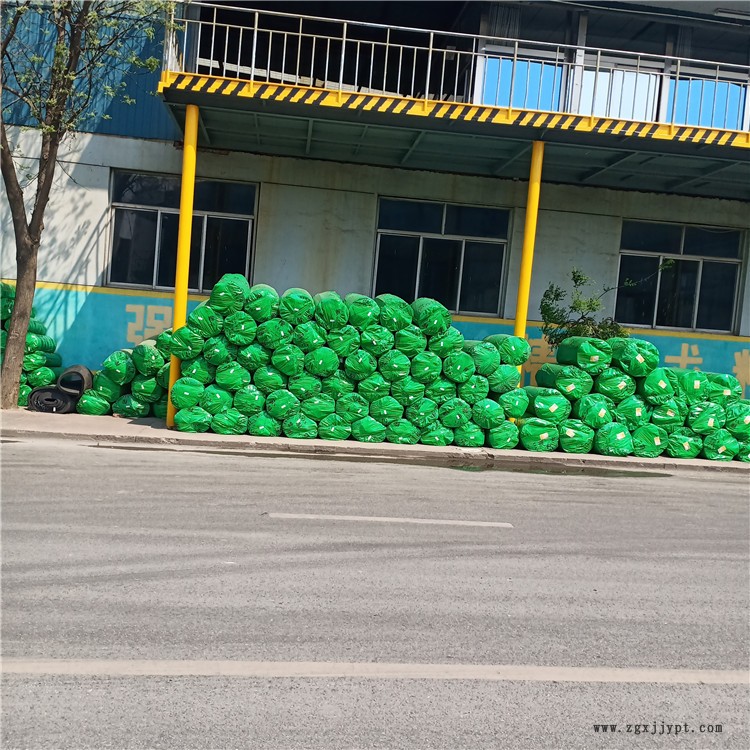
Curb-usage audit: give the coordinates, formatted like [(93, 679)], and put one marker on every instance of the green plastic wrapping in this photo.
[(274, 333), (263, 425), (162, 377), (444, 343), (670, 414), (146, 389), (454, 412), (119, 367), (232, 376), (330, 310), (337, 385), (635, 357), (503, 437), (309, 336), (199, 369), (633, 412), (92, 403), (613, 439), (656, 387), (229, 294), (334, 427), (720, 445), (130, 406), (514, 403), (738, 419), (368, 430), (488, 414), (35, 360), (386, 410), (548, 403), (163, 342), (705, 417), (160, 407), (37, 326), (299, 427), (3, 340), (723, 389), (394, 365), (37, 343), (474, 389), (743, 454), (422, 413), (215, 399), (41, 376), (684, 443), (575, 436), (649, 441), (691, 384), (322, 362), (505, 378), (304, 386), (458, 366), (248, 401), (318, 407), (289, 360), (615, 384), (344, 341), (377, 340), (186, 392), (407, 391), (571, 381), (253, 356), (352, 407), (426, 367), (186, 343), (513, 349), (360, 365), (538, 435), (262, 303), (431, 316), (240, 328), (469, 436), (402, 432), (440, 390), (229, 422), (437, 435), (410, 340), (395, 313), (106, 387), (194, 419), (24, 391), (485, 355), (296, 306), (590, 354), (373, 387), (595, 409), (206, 321), (363, 311), (218, 350), (282, 404), (22, 379), (148, 359)]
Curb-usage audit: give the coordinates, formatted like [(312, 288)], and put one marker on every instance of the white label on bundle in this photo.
[(638, 411), (670, 413), (747, 419), (620, 435), (696, 384), (662, 384), (602, 412), (621, 385), (710, 421), (657, 441), (553, 408), (722, 449), (727, 392), (639, 358), (570, 433), (595, 358), (544, 436), (686, 446), (570, 387)]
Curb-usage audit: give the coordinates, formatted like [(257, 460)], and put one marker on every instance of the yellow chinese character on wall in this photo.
[(689, 355), (148, 321), (741, 368)]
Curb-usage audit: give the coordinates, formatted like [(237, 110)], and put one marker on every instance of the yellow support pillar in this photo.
[(185, 228)]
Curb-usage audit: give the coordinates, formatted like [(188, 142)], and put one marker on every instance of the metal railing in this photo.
[(352, 56)]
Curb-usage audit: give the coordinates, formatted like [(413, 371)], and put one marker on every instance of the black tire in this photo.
[(75, 380), (50, 400)]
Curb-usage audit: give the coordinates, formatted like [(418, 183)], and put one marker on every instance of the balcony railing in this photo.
[(351, 56)]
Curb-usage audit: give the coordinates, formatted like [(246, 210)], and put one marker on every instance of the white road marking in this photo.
[(368, 670), (387, 519)]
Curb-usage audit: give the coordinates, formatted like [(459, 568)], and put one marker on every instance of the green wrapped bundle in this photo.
[(344, 341), (35, 360), (469, 436), (426, 367), (590, 354), (515, 403), (503, 437), (322, 362), (633, 412), (3, 340), (319, 407), (614, 439), (248, 401), (129, 406), (407, 391), (402, 432), (146, 390), (538, 435), (282, 404), (571, 381), (488, 414), (262, 303), (229, 294), (360, 365), (692, 384), (513, 349), (160, 407), (386, 410), (373, 387), (41, 376), (199, 369), (377, 340), (186, 392), (304, 386), (705, 417), (352, 407), (215, 399), (368, 430), (458, 366), (337, 385), (684, 443), (300, 427), (309, 336), (485, 355), (231, 376), (148, 359), (263, 425), (410, 341), (334, 427), (163, 343), (289, 360), (7, 301), (615, 384), (218, 350), (669, 415), (395, 314), (119, 367), (738, 419), (229, 422), (330, 310), (505, 378), (440, 390), (206, 321), (253, 356), (575, 436), (240, 328), (431, 316), (37, 327), (635, 357), (744, 452), (548, 403), (296, 306), (594, 409), (445, 343), (193, 419), (394, 365), (268, 379), (92, 403), (107, 388), (363, 311), (274, 333), (37, 343), (422, 413), (24, 392), (656, 387), (723, 389), (22, 379), (436, 435), (454, 412), (162, 377), (474, 389), (720, 445), (649, 441)]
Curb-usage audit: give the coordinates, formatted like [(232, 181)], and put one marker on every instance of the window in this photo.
[(676, 276), (146, 219), (450, 252)]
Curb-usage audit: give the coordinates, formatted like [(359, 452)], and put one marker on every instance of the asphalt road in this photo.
[(186, 599)]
